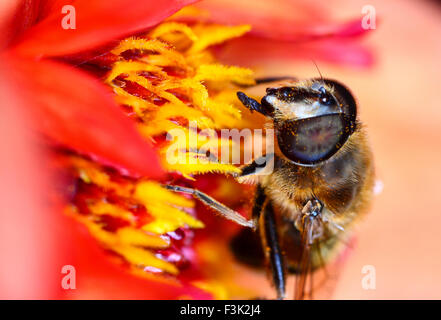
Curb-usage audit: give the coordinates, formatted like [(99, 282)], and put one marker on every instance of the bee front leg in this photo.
[(224, 211), (261, 166), (253, 168)]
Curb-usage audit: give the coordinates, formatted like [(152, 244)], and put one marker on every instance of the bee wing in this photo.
[(319, 283), (305, 263)]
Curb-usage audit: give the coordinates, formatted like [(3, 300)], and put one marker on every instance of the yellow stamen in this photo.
[(169, 79), (218, 72), (215, 34), (171, 27)]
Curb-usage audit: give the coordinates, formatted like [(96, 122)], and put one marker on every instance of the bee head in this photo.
[(312, 118)]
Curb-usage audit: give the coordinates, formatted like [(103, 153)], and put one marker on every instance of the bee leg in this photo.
[(215, 205), (259, 200), (257, 166), (247, 245), (247, 170), (270, 241)]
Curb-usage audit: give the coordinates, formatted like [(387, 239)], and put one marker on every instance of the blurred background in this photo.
[(399, 104)]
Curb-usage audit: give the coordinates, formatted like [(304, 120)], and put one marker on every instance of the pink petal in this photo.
[(283, 20), (253, 51)]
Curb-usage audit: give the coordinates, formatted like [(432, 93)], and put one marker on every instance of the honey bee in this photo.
[(321, 182)]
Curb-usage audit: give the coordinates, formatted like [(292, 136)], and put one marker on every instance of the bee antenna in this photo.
[(321, 76)]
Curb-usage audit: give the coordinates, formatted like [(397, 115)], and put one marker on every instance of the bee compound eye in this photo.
[(346, 100), (312, 140)]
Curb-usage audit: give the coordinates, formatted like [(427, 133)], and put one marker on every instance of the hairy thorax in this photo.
[(343, 183)]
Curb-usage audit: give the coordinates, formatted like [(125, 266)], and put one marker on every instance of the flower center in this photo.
[(163, 81)]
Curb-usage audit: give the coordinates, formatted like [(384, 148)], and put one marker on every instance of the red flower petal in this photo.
[(8, 26), (31, 247), (77, 111), (97, 22)]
